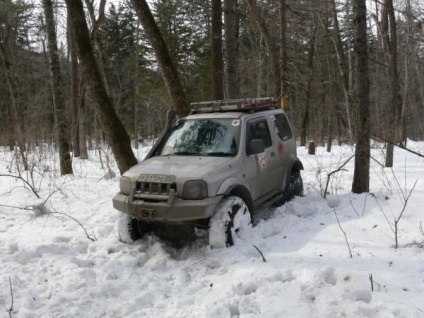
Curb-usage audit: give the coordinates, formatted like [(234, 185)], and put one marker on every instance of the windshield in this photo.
[(212, 137)]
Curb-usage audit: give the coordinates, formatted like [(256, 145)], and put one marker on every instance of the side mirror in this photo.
[(255, 146)]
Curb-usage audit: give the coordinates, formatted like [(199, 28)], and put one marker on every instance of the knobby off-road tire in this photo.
[(231, 218), (294, 187), (130, 229)]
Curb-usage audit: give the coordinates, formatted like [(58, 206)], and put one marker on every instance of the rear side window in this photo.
[(258, 129), (282, 127)]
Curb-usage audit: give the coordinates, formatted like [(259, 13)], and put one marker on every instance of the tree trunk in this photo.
[(216, 51), (310, 66), (395, 104), (6, 52), (75, 98), (231, 38), (169, 71), (361, 175), (104, 63), (57, 90), (403, 131), (284, 71), (116, 134), (258, 16), (343, 68), (82, 124)]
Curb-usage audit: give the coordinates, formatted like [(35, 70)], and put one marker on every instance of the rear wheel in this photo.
[(230, 219), (294, 187)]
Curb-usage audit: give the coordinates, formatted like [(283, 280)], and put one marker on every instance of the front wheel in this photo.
[(231, 218), (130, 229)]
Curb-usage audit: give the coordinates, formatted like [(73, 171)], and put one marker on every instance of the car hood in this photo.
[(185, 167)]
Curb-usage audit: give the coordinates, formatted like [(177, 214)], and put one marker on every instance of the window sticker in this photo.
[(277, 131), (236, 122)]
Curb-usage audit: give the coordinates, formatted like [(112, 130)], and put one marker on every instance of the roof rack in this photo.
[(244, 104)]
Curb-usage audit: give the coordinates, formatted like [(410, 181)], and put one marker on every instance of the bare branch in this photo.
[(344, 233), (333, 172), (10, 309), (260, 252), (78, 222)]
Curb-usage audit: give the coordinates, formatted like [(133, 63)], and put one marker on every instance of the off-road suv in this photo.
[(212, 170)]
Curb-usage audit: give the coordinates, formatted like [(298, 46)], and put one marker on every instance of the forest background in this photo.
[(301, 52)]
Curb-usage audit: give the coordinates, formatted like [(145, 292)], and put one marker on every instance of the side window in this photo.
[(258, 129), (282, 127)]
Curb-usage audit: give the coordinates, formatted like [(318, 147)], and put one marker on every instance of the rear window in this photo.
[(282, 127)]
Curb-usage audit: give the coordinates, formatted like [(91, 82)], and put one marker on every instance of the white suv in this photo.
[(212, 170)]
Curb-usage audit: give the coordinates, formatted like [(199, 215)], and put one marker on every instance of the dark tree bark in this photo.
[(7, 41), (169, 71), (231, 38), (75, 94), (216, 51), (115, 132), (82, 124), (284, 71), (362, 151), (310, 65), (343, 68), (395, 104), (57, 90)]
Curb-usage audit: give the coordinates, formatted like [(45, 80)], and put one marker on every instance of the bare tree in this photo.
[(361, 174), (7, 44), (116, 134), (216, 51), (57, 90), (75, 92), (169, 71), (259, 17), (343, 67), (310, 77), (284, 71), (231, 37), (395, 104)]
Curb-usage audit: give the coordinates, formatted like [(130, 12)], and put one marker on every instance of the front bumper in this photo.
[(178, 210)]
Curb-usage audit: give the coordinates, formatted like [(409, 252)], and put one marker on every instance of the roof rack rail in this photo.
[(244, 104)]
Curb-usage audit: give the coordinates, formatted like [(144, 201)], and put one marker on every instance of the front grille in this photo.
[(154, 188)]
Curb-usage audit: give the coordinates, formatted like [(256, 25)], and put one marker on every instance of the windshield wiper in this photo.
[(221, 154), (184, 153)]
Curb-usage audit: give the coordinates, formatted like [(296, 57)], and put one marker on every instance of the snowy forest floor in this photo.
[(61, 256)]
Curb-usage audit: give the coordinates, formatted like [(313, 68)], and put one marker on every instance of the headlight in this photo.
[(125, 185), (195, 190)]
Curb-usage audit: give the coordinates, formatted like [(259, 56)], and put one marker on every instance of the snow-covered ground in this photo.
[(322, 258)]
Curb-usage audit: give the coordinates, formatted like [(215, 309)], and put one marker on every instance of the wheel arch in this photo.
[(297, 165), (243, 193)]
